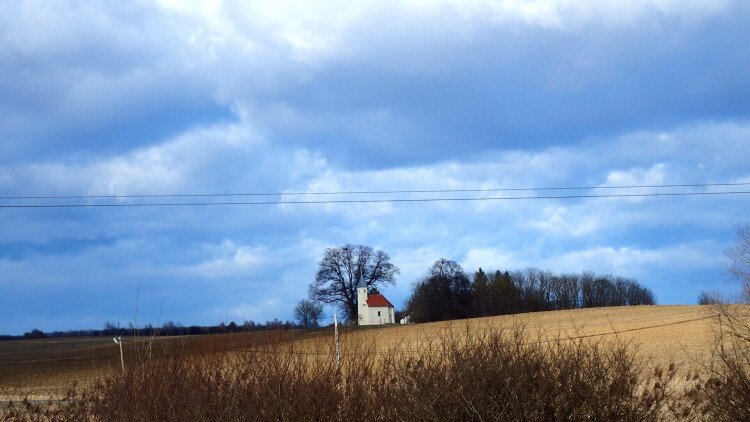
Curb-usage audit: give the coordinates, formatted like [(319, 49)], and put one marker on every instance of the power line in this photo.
[(375, 192), (438, 343), (370, 201)]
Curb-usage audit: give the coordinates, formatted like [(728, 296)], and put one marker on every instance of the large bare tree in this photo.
[(739, 261), (343, 268)]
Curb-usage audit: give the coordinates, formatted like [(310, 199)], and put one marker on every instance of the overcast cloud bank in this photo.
[(157, 98)]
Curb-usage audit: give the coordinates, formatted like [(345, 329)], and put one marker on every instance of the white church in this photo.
[(373, 309)]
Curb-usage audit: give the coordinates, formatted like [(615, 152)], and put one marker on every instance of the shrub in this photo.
[(709, 298), (488, 375), (725, 394)]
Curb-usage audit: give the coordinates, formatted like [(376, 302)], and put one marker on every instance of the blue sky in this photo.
[(98, 98)]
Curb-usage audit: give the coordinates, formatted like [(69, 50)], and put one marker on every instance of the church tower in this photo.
[(362, 314)]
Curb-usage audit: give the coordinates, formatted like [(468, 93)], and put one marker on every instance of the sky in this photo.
[(296, 97)]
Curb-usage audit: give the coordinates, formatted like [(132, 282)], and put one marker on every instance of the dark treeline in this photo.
[(447, 292), (167, 329)]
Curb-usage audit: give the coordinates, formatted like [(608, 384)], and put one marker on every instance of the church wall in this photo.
[(369, 315)]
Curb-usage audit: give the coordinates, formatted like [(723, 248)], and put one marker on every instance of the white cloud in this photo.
[(627, 261), (489, 259), (6, 177), (182, 164), (635, 262), (654, 175), (562, 221), (568, 13), (553, 167), (259, 311), (258, 44), (228, 260), (253, 249)]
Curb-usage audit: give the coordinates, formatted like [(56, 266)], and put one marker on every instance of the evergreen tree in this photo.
[(481, 293)]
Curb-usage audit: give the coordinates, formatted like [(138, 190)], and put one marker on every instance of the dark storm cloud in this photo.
[(505, 88)]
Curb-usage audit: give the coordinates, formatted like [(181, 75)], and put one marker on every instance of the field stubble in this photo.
[(637, 356), (683, 335)]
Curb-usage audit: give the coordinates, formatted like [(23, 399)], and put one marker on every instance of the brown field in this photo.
[(43, 368), (679, 334)]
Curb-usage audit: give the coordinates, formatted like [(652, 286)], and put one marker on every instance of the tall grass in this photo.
[(473, 375), (724, 395)]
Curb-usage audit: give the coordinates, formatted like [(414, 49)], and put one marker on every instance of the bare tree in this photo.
[(739, 265), (343, 268), (564, 291), (308, 313), (709, 298)]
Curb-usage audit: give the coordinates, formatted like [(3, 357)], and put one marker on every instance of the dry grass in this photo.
[(45, 368), (679, 334), (467, 374), (550, 364)]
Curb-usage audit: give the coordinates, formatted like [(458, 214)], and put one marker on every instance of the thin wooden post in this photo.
[(118, 340)]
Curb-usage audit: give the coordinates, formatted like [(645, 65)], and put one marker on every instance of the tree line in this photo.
[(169, 328), (448, 292)]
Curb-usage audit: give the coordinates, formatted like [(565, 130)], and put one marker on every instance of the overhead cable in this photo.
[(377, 192), (369, 201)]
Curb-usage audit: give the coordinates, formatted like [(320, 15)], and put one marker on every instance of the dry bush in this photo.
[(488, 375), (504, 376), (725, 394), (73, 407)]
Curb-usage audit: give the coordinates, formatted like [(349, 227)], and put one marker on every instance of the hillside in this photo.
[(680, 334)]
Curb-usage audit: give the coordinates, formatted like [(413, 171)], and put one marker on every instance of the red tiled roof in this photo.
[(378, 300)]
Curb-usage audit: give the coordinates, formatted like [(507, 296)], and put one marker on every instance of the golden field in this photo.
[(683, 335)]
